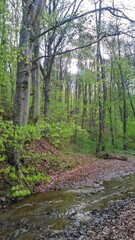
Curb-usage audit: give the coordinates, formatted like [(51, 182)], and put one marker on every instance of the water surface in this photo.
[(47, 211)]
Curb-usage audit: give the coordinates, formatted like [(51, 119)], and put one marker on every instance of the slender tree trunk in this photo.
[(90, 105), (36, 85), (103, 77), (60, 81), (67, 98), (115, 121), (76, 108), (84, 105), (124, 116), (110, 107), (124, 107), (130, 99), (47, 95), (100, 80)]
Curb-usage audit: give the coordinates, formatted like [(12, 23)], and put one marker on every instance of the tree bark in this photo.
[(36, 85), (110, 106), (85, 100), (124, 106), (100, 80), (31, 12), (47, 95)]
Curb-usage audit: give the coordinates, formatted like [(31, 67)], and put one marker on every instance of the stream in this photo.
[(50, 213)]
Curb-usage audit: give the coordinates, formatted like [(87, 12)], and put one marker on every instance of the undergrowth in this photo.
[(13, 138)]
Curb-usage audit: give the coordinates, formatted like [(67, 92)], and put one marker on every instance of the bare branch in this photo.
[(119, 14), (103, 36)]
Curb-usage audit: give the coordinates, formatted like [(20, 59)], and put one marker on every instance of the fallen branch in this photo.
[(106, 155)]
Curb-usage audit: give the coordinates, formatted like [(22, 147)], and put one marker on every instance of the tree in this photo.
[(30, 14), (101, 82), (9, 25), (55, 39)]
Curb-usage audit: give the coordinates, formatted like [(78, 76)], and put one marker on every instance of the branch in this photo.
[(109, 9), (105, 35), (77, 48)]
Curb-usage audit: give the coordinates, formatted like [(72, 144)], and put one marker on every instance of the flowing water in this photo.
[(53, 211)]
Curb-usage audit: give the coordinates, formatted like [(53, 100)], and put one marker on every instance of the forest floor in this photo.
[(88, 168), (79, 168)]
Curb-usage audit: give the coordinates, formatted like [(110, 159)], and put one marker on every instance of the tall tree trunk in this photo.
[(47, 95), (100, 80), (110, 105), (47, 87), (84, 104), (31, 12), (36, 85), (130, 99), (123, 87), (76, 110), (67, 98), (124, 109), (90, 105)]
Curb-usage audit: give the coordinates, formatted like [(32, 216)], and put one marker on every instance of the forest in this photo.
[(67, 79), (67, 119)]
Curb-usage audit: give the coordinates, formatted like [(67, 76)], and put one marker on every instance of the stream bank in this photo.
[(105, 210), (115, 222), (93, 200)]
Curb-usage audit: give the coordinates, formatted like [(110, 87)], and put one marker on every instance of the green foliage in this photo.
[(53, 162), (37, 178), (15, 137), (67, 130), (51, 132), (13, 176), (6, 170), (19, 191), (131, 135), (83, 141), (21, 176)]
